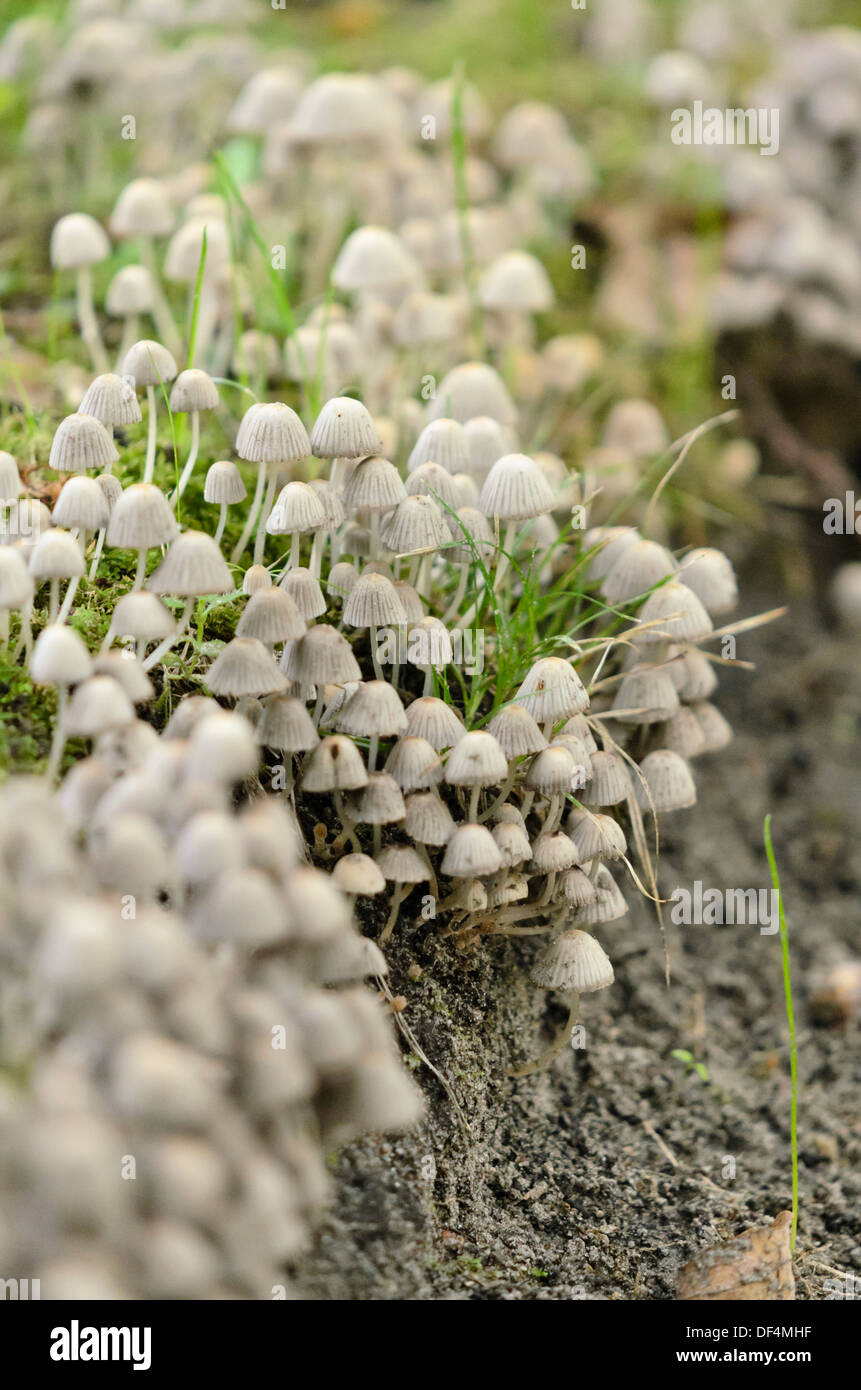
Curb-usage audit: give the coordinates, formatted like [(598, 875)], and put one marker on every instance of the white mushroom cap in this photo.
[(321, 657), (271, 616), (56, 555), (380, 802), (342, 106), (16, 583), (677, 614), (637, 427), (81, 443), (193, 390), (111, 400), (516, 282), (488, 441), (223, 485), (131, 291), (374, 485), (648, 693), (141, 518), (516, 732), (515, 489), (416, 526), (304, 589), (98, 704), (297, 509), (636, 569), (402, 864), (442, 441), (59, 657), (10, 481), (552, 690), (245, 667), (375, 710), (414, 764), (143, 208), (476, 760), (610, 782), (472, 389), (574, 961), (553, 853), (286, 725), (193, 565), (78, 240), (81, 503), (434, 720), (182, 259), (471, 853), (373, 602), (428, 820), (711, 576), (268, 96), (374, 258), (550, 771), (512, 842), (222, 746), (359, 874), (334, 765), (149, 363), (432, 480), (270, 432), (256, 577), (143, 616), (345, 429)]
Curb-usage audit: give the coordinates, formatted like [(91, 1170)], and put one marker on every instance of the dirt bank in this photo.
[(599, 1179)]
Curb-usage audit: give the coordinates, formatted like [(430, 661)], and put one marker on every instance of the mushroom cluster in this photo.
[(184, 994), (443, 678)]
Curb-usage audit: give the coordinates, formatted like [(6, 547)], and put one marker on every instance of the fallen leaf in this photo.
[(754, 1265)]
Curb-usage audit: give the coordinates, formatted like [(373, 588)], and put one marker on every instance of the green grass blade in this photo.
[(790, 1019), (195, 307)]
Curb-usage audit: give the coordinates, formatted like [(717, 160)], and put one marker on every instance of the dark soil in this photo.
[(599, 1179)]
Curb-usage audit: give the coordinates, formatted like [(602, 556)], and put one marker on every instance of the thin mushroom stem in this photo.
[(69, 598), (25, 636), (559, 1042), (373, 746), (401, 891), (185, 475), (161, 313), (432, 879), (130, 335), (378, 670), (295, 551), (140, 570), (158, 652), (503, 560), (97, 554), (251, 518), (318, 546), (260, 538), (504, 792), (149, 464), (554, 814), (348, 831), (53, 600), (474, 793), (457, 599), (222, 522), (375, 535), (58, 742), (88, 321)]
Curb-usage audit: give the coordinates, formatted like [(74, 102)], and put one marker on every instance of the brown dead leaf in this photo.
[(754, 1265)]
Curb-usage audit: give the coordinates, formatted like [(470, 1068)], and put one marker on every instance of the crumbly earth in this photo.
[(600, 1178)]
